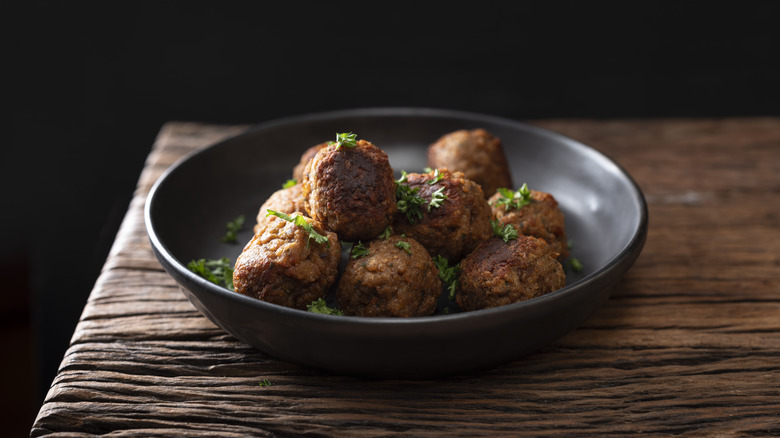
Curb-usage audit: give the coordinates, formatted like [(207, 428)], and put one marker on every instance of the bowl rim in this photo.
[(627, 254)]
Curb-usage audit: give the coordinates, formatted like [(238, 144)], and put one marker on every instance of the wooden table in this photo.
[(688, 344)]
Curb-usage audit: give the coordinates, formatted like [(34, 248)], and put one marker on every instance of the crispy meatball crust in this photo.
[(390, 281), (541, 218), (281, 265), (350, 190), (307, 156), (499, 273), (476, 153), (458, 225), (287, 201)]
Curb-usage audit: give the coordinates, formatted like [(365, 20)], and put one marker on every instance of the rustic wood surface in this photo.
[(689, 343)]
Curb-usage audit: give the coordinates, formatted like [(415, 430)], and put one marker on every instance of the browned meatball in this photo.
[(499, 273), (283, 266), (541, 218), (351, 190), (287, 201), (396, 278), (457, 225), (307, 155), (476, 153)]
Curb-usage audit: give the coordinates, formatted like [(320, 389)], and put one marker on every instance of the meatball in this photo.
[(307, 155), (459, 223), (540, 217), (397, 277), (499, 273), (287, 201), (351, 190), (476, 153), (282, 265)]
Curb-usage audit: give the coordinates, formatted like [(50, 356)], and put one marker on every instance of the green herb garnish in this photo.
[(347, 139), (359, 250), (517, 199), (232, 228), (265, 382), (437, 176), (219, 271), (576, 265), (289, 183), (447, 274), (407, 199), (406, 246), (386, 233), (320, 306), (301, 223), (573, 262), (506, 232), (437, 198)]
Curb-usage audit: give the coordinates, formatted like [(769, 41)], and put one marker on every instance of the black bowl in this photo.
[(188, 207)]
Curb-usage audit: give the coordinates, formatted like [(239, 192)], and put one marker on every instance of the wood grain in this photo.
[(689, 343)]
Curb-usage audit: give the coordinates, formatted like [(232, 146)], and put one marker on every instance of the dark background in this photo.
[(88, 88)]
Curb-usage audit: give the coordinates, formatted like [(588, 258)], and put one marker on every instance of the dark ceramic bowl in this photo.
[(188, 207)]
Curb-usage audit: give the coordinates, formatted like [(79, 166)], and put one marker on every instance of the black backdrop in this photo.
[(90, 86)]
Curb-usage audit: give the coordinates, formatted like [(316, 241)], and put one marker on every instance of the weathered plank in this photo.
[(689, 343)]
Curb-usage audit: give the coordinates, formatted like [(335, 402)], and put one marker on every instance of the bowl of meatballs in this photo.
[(397, 242)]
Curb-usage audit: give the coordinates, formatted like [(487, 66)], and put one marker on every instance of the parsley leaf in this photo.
[(347, 139), (407, 199), (386, 233), (219, 271), (437, 198), (266, 382), (301, 223), (506, 232), (437, 176), (232, 229), (576, 265), (516, 200), (359, 250), (406, 246), (447, 274), (289, 183), (320, 306)]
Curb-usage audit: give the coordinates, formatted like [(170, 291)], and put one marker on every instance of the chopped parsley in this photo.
[(573, 262), (576, 265), (346, 139), (359, 250), (266, 382), (408, 200), (436, 199), (517, 199), (506, 232), (232, 228), (301, 223), (321, 307), (386, 233), (437, 176), (289, 183), (447, 274), (406, 246), (219, 271)]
